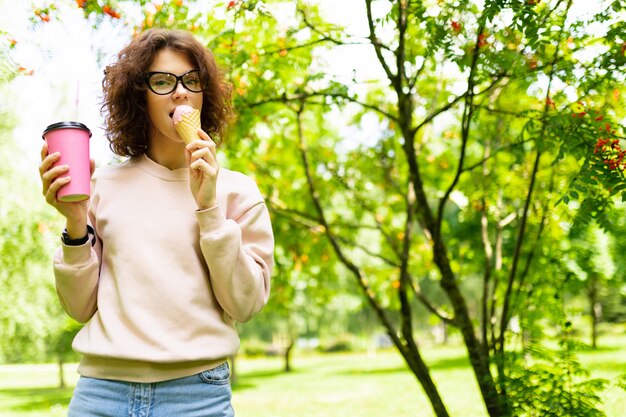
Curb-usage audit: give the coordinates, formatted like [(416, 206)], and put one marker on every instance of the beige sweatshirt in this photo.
[(164, 284)]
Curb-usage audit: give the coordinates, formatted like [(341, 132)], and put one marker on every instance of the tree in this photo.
[(500, 60), (592, 269), (31, 315), (60, 344), (27, 293)]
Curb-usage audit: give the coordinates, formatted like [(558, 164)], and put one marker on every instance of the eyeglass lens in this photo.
[(164, 82)]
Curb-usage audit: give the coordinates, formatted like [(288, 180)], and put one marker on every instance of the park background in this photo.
[(446, 182)]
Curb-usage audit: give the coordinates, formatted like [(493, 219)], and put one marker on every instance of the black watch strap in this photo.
[(78, 242)]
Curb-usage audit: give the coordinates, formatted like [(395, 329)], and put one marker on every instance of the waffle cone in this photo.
[(187, 127)]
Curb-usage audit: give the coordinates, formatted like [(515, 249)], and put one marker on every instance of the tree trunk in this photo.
[(495, 404), (422, 373), (595, 309), (287, 356), (233, 373), (61, 376)]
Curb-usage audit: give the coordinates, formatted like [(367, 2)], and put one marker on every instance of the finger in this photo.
[(55, 186), (48, 177), (204, 166), (92, 165), (205, 136), (200, 165), (204, 144), (54, 172), (188, 156), (48, 161), (201, 143), (202, 153), (44, 150), (50, 171)]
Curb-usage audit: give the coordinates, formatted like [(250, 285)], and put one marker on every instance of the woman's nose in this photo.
[(180, 90)]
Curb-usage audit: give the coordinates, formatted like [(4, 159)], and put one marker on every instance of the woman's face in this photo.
[(161, 107)]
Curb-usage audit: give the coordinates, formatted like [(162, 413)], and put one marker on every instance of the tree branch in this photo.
[(376, 44), (469, 168), (304, 219), (361, 201), (294, 47), (465, 130), (306, 96), (369, 252), (314, 28), (488, 250), (419, 71), (441, 314), (537, 240), (506, 315), (351, 266)]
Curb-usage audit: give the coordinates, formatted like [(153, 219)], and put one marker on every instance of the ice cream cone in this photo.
[(187, 127)]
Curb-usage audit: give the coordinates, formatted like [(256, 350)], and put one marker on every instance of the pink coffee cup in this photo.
[(71, 140)]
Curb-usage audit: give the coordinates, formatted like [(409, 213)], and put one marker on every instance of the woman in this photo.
[(169, 252)]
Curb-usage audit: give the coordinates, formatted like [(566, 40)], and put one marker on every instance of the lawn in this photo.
[(329, 385)]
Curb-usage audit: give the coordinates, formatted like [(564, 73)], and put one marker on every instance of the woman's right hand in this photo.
[(52, 179)]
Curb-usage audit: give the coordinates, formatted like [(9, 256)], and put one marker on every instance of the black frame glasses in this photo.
[(192, 80)]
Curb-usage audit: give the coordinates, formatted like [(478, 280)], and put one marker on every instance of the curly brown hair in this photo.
[(124, 105)]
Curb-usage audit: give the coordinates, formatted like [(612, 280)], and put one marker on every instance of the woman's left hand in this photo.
[(203, 169)]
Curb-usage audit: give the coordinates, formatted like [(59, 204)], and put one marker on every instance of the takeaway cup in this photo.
[(71, 140)]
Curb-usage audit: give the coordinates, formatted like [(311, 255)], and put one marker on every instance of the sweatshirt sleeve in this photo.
[(76, 270), (239, 251)]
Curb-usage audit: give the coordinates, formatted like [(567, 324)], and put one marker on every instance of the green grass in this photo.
[(609, 362), (31, 390), (355, 385)]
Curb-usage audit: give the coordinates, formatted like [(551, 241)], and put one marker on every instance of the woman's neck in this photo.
[(167, 153)]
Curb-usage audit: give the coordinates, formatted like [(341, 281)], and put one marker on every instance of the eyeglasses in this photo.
[(164, 82)]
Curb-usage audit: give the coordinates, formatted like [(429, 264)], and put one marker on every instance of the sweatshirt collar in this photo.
[(159, 171)]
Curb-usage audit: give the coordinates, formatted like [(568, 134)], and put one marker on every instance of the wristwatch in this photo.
[(77, 242)]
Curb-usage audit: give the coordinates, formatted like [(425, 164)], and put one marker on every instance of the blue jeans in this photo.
[(207, 394)]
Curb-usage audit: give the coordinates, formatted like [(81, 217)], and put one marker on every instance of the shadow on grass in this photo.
[(266, 373), (246, 380), (450, 363), (241, 384), (37, 399), (601, 349), (440, 364), (378, 371)]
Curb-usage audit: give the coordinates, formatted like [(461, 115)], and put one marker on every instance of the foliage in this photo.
[(614, 293), (601, 176), (24, 260), (60, 343), (8, 67), (544, 383)]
